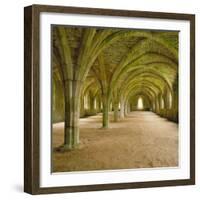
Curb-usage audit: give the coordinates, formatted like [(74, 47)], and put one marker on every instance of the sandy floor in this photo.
[(142, 140)]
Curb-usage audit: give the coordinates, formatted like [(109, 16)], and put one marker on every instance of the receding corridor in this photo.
[(115, 100), (141, 140)]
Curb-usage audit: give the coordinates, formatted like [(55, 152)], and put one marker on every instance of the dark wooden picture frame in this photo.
[(32, 104)]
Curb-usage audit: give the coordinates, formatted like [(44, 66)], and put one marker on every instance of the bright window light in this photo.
[(140, 103), (85, 102), (95, 103)]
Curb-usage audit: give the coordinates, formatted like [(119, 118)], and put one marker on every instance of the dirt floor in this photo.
[(142, 140)]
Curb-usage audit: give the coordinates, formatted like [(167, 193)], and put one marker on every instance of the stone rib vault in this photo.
[(101, 70)]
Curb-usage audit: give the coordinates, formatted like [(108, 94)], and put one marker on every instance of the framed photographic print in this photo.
[(109, 99)]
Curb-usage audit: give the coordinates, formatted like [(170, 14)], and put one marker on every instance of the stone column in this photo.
[(175, 101), (127, 108), (175, 106), (166, 100), (99, 104), (157, 105), (82, 110), (92, 110), (106, 104), (115, 111), (72, 112), (122, 108)]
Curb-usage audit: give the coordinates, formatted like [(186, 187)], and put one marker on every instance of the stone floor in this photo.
[(141, 140)]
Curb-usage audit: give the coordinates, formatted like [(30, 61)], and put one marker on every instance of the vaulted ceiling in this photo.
[(118, 62)]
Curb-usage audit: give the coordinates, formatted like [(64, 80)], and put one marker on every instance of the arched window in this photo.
[(170, 101), (111, 106), (85, 102), (162, 103), (140, 103)]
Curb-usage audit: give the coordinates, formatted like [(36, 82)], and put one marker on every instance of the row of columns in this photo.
[(103, 104), (76, 105), (167, 106)]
